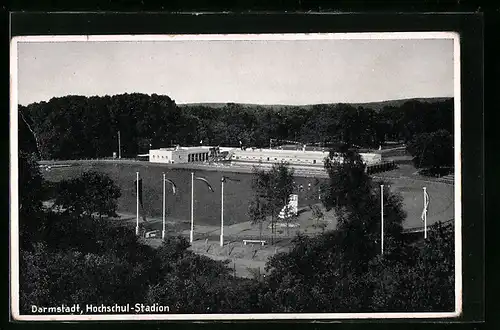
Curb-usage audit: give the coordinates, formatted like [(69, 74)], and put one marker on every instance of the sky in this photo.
[(258, 71)]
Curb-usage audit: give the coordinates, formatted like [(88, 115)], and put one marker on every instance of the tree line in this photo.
[(434, 152), (72, 252), (87, 127)]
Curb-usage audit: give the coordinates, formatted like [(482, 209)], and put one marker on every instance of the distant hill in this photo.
[(373, 105), (397, 103)]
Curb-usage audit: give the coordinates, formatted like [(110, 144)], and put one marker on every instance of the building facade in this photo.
[(296, 158), (179, 155), (251, 156)]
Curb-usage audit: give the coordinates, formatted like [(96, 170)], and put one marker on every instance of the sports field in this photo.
[(245, 260), (238, 194), (206, 205)]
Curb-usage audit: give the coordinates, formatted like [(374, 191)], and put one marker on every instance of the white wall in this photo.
[(275, 155), (161, 156), (293, 157), (174, 156)]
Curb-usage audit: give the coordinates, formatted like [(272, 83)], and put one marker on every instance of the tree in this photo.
[(91, 193), (433, 150), (348, 184), (315, 277), (356, 200), (171, 250), (273, 187), (257, 211), (34, 282), (311, 277), (50, 278), (318, 216), (31, 192), (27, 137), (30, 183), (359, 228), (423, 281), (78, 258)]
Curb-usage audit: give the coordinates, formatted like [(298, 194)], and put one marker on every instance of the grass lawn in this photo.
[(206, 203), (238, 194)]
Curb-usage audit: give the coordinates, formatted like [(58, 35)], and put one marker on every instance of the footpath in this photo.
[(246, 261)]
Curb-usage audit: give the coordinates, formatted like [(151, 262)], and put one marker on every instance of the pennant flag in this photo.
[(206, 181), (140, 197), (426, 205), (174, 187)]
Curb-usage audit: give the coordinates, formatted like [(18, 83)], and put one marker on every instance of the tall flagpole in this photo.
[(222, 213), (425, 213), (164, 196), (192, 208), (137, 219), (382, 219)]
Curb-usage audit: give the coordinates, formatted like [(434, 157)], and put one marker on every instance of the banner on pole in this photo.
[(426, 205), (140, 198), (206, 182), (174, 187)]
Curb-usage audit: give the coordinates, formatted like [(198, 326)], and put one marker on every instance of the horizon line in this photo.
[(245, 103), (333, 102)]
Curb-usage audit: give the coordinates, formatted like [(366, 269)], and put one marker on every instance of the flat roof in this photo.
[(182, 148), (283, 151)]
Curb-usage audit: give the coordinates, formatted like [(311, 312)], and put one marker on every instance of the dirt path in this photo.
[(245, 260)]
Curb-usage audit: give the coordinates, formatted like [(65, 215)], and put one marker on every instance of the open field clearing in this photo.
[(206, 205), (238, 194), (245, 260)]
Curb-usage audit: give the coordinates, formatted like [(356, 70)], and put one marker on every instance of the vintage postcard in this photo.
[(236, 177)]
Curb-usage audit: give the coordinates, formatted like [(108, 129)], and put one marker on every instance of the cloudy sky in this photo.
[(263, 72)]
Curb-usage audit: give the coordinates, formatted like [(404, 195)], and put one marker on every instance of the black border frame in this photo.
[(468, 25)]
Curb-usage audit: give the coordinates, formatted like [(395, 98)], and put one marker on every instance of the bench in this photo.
[(245, 241)]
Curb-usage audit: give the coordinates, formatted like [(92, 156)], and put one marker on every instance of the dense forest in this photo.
[(74, 127)]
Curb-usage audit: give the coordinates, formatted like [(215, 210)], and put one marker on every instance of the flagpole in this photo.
[(137, 218), (382, 219), (164, 196), (192, 208), (425, 213), (222, 213)]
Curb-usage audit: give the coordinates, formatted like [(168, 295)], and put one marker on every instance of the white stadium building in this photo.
[(296, 158), (303, 159)]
